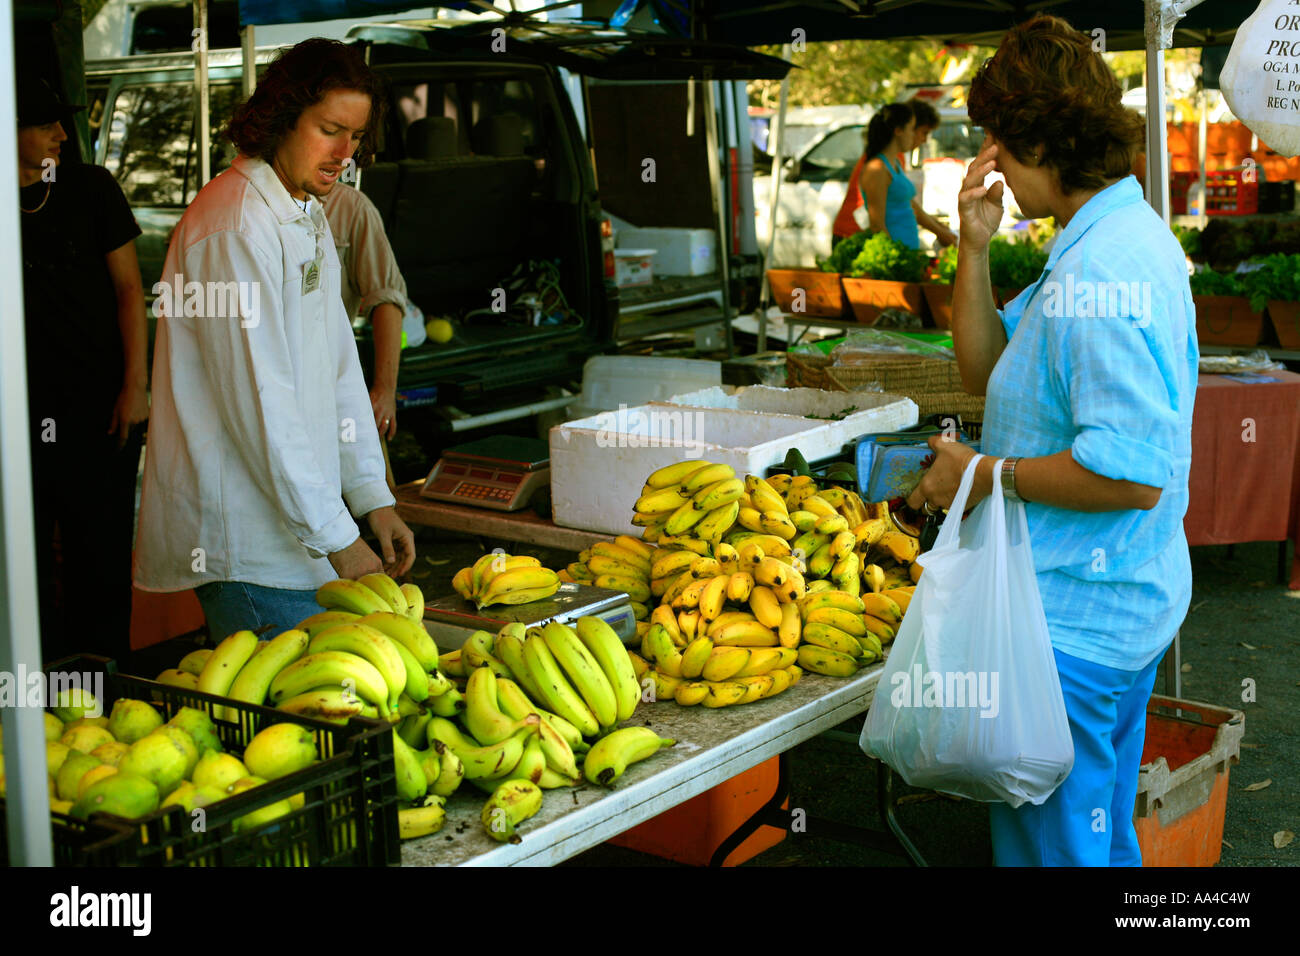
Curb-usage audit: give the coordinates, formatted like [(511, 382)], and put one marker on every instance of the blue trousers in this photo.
[(1088, 821), (231, 606)]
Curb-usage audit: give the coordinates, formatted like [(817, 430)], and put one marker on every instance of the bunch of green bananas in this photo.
[(620, 565), (500, 578)]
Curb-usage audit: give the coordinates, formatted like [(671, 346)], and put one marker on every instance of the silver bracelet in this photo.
[(1008, 477)]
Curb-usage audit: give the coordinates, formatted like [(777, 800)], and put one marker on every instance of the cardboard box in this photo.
[(678, 252), (633, 267)]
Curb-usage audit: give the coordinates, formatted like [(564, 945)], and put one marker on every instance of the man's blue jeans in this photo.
[(233, 606)]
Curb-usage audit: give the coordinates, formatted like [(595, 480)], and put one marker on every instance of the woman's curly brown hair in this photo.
[(1047, 85), (298, 78)]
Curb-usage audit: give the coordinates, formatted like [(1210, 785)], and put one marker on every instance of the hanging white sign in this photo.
[(1261, 79)]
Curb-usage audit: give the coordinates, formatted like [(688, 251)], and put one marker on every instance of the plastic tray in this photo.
[(349, 816)]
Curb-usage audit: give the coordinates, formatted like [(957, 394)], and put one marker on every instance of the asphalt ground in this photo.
[(1242, 626)]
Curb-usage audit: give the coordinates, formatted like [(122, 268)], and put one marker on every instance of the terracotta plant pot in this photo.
[(938, 298), (807, 292), (869, 297), (1285, 317), (1227, 320)]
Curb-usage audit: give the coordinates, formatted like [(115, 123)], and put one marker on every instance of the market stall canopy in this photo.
[(748, 23)]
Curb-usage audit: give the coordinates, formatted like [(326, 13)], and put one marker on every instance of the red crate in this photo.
[(1227, 194)]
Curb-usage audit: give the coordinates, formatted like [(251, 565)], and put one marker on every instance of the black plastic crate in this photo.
[(348, 818)]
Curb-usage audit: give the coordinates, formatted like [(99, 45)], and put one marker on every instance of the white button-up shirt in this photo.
[(260, 428)]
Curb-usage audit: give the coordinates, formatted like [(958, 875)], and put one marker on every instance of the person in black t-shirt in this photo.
[(86, 381)]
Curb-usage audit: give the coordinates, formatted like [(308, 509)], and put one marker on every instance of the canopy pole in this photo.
[(248, 46), (201, 92), (778, 174), (27, 803), (720, 187), (1157, 136)]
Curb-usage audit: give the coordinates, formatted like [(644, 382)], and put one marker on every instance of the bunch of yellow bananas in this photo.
[(842, 631), (620, 565), (695, 496), (500, 578)]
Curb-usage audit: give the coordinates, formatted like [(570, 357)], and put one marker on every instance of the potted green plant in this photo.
[(1223, 314), (1013, 266), (1275, 285), (816, 291), (886, 274), (938, 291)]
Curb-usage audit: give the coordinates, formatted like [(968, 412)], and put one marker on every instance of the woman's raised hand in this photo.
[(980, 206)]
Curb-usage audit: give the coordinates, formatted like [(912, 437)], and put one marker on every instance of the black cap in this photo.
[(38, 103)]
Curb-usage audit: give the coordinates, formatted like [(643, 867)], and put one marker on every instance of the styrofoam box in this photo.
[(633, 267), (609, 381), (599, 464), (678, 252), (876, 411)]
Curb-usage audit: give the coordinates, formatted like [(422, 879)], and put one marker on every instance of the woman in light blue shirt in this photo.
[(1090, 376)]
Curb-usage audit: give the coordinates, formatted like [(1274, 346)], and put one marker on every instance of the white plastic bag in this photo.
[(970, 701)]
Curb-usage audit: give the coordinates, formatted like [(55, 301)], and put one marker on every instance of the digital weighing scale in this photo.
[(569, 603), (500, 472)]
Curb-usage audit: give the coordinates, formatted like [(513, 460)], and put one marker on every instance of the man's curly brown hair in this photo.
[(298, 78), (1047, 85)]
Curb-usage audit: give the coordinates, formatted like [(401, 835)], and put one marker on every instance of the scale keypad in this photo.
[(483, 492)]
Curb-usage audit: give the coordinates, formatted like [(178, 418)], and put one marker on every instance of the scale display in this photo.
[(499, 472)]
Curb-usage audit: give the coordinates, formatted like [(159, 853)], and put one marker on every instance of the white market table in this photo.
[(712, 746)]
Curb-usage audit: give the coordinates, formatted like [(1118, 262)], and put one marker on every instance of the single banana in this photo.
[(695, 656), (637, 589), (387, 589), (463, 583), (175, 677), (746, 634), (789, 632), (869, 532), (688, 622), (523, 586), (663, 616), (688, 543), (410, 634), (254, 680), (718, 521), (684, 519), (765, 497), (532, 764), (832, 524), (822, 660), (663, 652), (772, 573), (414, 602), (450, 704), (884, 607), (724, 694), (509, 646), (411, 784), (661, 501), (844, 620), (706, 476), (781, 681), (824, 635), (723, 662), (344, 595), (750, 518), (841, 544), (479, 566), (610, 654), (610, 756), (493, 762), (804, 521), (672, 562), (831, 597), (450, 770), (691, 692), (192, 663), (379, 650), (332, 667), (510, 805), (713, 597), (779, 483), (674, 473), (556, 692), (819, 506), (629, 543), (623, 554), (503, 563), (665, 685), (326, 619), (333, 703), (766, 608), (413, 729), (224, 665), (728, 558), (689, 598), (515, 703), (727, 618), (483, 717), (900, 596), (604, 564), (478, 651), (715, 496), (413, 822), (756, 687), (764, 660), (739, 586), (884, 632), (873, 578)]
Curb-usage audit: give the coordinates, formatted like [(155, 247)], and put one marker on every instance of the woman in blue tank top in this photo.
[(887, 193)]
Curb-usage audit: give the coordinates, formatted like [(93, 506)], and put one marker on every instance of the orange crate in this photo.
[(1183, 782), (691, 832)]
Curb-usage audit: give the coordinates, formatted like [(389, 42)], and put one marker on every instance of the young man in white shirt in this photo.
[(262, 446)]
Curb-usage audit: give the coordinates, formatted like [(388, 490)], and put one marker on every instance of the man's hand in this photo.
[(938, 486), (396, 541), (383, 401), (130, 409), (980, 206), (355, 560)]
